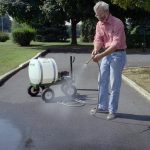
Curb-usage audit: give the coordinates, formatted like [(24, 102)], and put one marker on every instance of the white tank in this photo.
[(42, 71)]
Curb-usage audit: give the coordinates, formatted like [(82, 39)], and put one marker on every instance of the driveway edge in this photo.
[(136, 87)]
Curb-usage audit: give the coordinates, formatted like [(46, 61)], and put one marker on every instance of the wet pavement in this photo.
[(28, 123), (10, 136)]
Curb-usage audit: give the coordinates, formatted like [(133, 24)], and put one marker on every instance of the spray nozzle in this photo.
[(90, 59)]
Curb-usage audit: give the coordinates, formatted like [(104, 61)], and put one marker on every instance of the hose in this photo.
[(93, 111), (74, 103)]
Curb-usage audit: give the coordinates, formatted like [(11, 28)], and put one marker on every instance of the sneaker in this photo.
[(97, 110), (111, 116)]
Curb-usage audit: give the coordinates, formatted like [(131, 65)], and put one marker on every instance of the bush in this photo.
[(134, 40), (137, 40), (147, 39), (51, 34), (4, 37), (23, 35), (138, 37)]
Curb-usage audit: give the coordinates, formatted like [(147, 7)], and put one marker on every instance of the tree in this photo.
[(55, 11), (76, 10), (88, 30), (31, 11), (39, 13), (133, 4), (21, 10)]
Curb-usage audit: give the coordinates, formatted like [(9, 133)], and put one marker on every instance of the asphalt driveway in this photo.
[(67, 124)]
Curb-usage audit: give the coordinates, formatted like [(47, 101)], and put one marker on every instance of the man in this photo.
[(110, 37)]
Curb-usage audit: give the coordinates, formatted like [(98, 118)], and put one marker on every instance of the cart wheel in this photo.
[(68, 89), (33, 91), (47, 95)]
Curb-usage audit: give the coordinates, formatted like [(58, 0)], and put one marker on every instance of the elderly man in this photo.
[(110, 37)]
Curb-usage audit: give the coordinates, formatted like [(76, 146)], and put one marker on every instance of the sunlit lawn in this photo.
[(141, 76), (11, 55)]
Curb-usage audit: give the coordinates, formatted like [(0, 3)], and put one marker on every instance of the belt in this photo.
[(119, 50)]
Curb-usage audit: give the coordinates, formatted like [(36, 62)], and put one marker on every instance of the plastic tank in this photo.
[(42, 71)]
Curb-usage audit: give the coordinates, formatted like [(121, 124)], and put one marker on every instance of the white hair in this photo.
[(101, 6)]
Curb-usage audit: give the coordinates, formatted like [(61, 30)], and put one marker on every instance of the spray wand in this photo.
[(88, 61)]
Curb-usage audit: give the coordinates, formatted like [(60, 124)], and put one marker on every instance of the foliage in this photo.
[(37, 13), (147, 5), (53, 28), (4, 37), (76, 10), (42, 15), (51, 34), (134, 40), (53, 11), (88, 30), (133, 4), (23, 35), (31, 11), (138, 37), (22, 10)]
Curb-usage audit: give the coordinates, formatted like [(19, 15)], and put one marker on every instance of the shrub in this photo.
[(23, 35), (134, 40), (138, 37), (4, 37), (51, 34), (137, 40)]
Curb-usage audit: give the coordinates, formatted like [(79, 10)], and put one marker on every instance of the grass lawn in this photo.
[(141, 76), (11, 55)]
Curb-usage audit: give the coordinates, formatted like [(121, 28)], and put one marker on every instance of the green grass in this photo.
[(11, 55)]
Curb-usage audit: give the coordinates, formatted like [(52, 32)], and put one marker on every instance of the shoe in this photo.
[(111, 116), (99, 110)]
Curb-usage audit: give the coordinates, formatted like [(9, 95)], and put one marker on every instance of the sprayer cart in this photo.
[(43, 73)]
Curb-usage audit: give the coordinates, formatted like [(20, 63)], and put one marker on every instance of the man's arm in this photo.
[(98, 42), (97, 47), (108, 51)]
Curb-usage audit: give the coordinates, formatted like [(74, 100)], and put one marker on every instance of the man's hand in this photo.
[(95, 51), (97, 57)]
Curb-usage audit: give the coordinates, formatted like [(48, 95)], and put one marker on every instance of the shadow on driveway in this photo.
[(133, 117)]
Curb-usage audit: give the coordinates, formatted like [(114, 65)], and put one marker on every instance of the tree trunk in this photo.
[(73, 32)]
